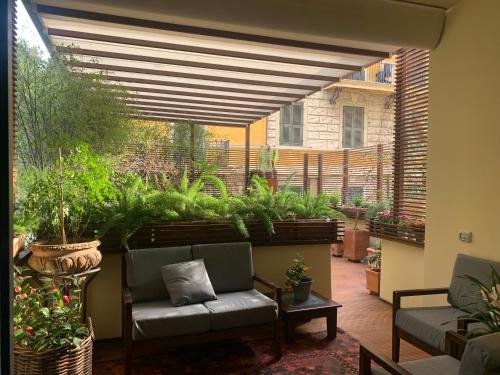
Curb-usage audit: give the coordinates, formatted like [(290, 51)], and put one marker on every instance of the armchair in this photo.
[(425, 327)]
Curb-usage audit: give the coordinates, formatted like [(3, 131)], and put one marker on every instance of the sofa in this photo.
[(425, 327), (151, 323), (481, 357)]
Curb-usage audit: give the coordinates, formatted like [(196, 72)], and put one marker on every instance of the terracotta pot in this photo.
[(373, 280), (70, 258), (273, 184), (17, 243), (337, 249), (355, 244)]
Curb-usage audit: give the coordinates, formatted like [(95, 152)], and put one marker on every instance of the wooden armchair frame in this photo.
[(132, 348), (398, 333)]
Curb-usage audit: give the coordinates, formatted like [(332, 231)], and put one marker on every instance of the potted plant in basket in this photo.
[(49, 335), (356, 240), (373, 260), (63, 206), (296, 279)]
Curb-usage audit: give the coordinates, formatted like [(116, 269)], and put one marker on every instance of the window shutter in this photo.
[(411, 123), (285, 122), (358, 127), (354, 127), (297, 124), (348, 127)]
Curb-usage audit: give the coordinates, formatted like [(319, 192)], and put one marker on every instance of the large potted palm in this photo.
[(62, 205)]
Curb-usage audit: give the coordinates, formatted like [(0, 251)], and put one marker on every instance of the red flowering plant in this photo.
[(45, 317), (387, 217)]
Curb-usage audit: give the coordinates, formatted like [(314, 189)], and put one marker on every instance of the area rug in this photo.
[(310, 353)]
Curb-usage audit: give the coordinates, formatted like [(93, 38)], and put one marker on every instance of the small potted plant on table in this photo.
[(296, 279)]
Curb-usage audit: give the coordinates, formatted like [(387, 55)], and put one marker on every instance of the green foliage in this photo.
[(296, 273), (374, 260), (373, 209), (358, 201), (44, 317), (334, 199), (309, 207), (88, 187), (60, 108), (489, 295)]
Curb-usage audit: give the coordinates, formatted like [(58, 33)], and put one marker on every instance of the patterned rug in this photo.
[(311, 353)]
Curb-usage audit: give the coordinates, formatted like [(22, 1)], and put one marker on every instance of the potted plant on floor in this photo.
[(373, 260), (62, 204), (297, 279), (49, 335), (356, 240)]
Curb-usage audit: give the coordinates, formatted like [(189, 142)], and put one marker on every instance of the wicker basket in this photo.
[(66, 360)]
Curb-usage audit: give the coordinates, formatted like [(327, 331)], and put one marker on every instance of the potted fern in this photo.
[(62, 204), (297, 279)]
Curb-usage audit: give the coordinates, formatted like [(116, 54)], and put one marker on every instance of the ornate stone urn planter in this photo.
[(67, 258)]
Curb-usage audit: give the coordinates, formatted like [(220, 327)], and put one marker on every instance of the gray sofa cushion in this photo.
[(439, 365), (426, 323), (463, 293), (144, 274), (482, 355), (239, 309), (187, 282), (162, 319), (229, 265)]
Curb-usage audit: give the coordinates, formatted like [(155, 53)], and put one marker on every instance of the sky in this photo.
[(27, 31)]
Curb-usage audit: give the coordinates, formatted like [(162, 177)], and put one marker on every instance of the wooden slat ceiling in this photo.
[(179, 73)]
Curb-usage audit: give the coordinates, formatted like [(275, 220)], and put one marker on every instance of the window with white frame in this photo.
[(353, 127), (291, 125)]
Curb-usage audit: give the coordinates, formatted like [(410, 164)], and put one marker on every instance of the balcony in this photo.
[(381, 72)]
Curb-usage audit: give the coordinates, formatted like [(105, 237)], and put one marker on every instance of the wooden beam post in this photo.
[(306, 173), (7, 95), (380, 172), (191, 151), (320, 173), (345, 176), (247, 156)]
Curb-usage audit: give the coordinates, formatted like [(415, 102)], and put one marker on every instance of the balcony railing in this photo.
[(381, 72)]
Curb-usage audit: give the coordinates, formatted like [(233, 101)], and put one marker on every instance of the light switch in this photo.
[(465, 236)]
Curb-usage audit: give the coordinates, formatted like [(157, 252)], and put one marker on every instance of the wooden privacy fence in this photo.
[(365, 171)]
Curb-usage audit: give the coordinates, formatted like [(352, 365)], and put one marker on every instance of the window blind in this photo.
[(410, 132)]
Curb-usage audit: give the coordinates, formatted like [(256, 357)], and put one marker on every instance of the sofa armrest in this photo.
[(272, 286), (397, 294), (368, 354)]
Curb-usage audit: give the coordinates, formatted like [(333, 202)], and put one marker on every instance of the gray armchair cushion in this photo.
[(187, 282), (426, 323), (239, 309), (160, 319), (229, 265), (439, 365), (482, 355), (143, 271), (463, 294)]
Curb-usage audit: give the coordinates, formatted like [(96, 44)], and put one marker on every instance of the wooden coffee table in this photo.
[(316, 306)]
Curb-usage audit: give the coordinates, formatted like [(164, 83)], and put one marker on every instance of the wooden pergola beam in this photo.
[(194, 64), (214, 78), (177, 111), (196, 30), (186, 85), (197, 49), (184, 106), (182, 120), (201, 116)]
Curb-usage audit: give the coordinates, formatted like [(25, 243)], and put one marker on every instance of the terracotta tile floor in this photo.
[(364, 316)]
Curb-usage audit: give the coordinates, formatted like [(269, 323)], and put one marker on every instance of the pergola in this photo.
[(218, 62)]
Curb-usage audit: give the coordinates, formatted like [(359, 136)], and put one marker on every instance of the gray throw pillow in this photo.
[(188, 282)]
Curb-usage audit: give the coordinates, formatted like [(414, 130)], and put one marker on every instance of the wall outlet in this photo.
[(465, 236)]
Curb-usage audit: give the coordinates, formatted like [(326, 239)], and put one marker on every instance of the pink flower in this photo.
[(18, 289), (23, 296), (66, 299)]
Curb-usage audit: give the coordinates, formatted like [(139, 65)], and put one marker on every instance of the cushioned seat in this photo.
[(162, 319), (239, 309), (430, 324), (442, 365)]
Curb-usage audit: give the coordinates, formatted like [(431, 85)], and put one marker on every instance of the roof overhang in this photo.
[(212, 63)]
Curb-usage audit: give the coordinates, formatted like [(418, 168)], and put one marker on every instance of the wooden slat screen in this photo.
[(411, 123)]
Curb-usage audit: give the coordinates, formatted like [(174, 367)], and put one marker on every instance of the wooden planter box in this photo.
[(350, 212), (414, 235), (373, 281), (292, 232)]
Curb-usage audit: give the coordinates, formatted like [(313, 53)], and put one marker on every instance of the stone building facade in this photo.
[(323, 118)]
